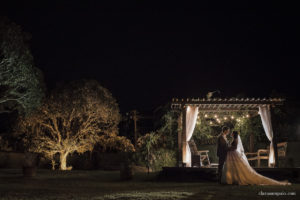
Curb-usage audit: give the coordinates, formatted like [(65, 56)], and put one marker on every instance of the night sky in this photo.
[(145, 54)]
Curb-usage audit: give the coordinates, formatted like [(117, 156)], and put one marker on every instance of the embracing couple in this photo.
[(233, 164)]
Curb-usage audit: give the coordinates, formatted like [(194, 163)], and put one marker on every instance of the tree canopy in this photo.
[(73, 118), (21, 84)]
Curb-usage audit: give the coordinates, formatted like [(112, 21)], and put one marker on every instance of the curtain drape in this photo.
[(191, 118), (265, 115)]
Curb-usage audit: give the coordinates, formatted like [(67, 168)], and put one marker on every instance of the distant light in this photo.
[(216, 116), (210, 122), (225, 118), (247, 115), (232, 117), (205, 115)]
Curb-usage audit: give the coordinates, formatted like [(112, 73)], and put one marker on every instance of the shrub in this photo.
[(152, 153)]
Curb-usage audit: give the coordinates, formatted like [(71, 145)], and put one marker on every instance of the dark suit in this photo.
[(222, 149)]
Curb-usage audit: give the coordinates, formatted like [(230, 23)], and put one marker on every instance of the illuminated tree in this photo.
[(73, 119), (21, 85)]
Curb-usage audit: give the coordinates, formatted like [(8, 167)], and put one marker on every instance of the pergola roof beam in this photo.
[(226, 104)]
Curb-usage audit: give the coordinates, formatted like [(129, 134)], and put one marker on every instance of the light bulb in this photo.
[(205, 115)]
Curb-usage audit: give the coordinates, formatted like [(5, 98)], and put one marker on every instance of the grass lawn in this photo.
[(107, 185)]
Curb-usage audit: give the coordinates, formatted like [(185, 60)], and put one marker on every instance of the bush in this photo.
[(152, 152), (81, 161), (109, 161), (163, 158)]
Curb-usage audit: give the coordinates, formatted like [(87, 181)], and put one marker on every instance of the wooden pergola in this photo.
[(222, 105)]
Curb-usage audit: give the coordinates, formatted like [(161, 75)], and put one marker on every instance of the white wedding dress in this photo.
[(238, 171)]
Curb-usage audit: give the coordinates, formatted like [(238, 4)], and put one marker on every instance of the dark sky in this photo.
[(146, 54)]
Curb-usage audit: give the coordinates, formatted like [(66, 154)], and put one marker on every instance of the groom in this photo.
[(222, 149)]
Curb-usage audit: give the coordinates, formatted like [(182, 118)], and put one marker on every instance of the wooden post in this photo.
[(179, 130), (275, 150), (183, 138), (134, 117), (273, 121)]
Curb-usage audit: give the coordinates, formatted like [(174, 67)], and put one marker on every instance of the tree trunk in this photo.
[(148, 161), (53, 164), (63, 160)]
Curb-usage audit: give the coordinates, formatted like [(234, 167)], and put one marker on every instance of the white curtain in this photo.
[(265, 115), (191, 119)]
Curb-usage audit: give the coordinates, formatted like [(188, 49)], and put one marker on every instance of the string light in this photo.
[(223, 118)]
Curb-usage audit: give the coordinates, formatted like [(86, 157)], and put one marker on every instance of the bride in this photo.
[(238, 171)]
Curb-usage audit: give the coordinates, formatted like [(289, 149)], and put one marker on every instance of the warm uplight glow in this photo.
[(205, 116), (210, 122), (225, 118), (247, 115), (232, 117), (216, 116)]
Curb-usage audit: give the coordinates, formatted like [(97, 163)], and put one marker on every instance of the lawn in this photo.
[(98, 185)]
